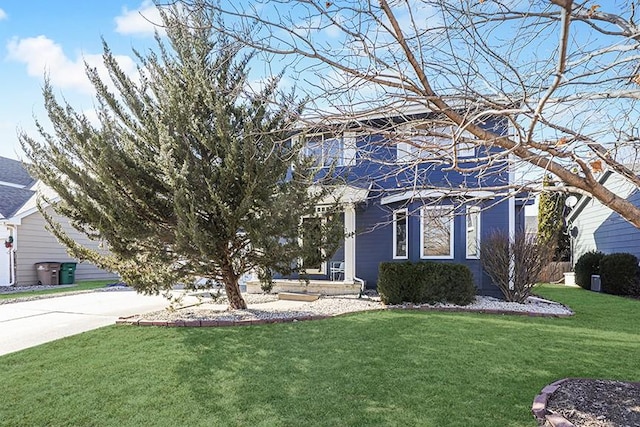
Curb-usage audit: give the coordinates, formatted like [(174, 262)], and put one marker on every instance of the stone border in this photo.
[(539, 407), (217, 323)]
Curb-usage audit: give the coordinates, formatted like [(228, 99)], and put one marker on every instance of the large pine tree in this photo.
[(188, 173)]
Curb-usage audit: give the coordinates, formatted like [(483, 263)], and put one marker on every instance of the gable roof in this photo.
[(14, 186), (12, 199), (14, 172)]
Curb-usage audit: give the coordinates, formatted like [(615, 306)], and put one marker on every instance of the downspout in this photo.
[(363, 283)]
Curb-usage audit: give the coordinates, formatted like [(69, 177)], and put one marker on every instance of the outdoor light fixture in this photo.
[(571, 201)]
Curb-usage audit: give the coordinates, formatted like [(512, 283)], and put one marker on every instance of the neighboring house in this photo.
[(593, 226), (402, 204), (23, 232)]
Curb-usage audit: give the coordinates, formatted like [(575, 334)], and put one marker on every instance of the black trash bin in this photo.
[(68, 273), (48, 273)]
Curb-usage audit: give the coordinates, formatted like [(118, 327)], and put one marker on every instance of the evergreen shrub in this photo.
[(619, 274), (425, 282), (587, 265)]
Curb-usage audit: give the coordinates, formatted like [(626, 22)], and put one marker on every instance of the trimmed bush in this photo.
[(619, 274), (587, 265), (460, 289), (398, 283), (425, 282)]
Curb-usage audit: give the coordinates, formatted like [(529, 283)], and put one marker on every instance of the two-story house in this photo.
[(413, 189)]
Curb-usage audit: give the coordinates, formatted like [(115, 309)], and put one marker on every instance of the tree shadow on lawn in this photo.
[(406, 367), (284, 374), (391, 368)]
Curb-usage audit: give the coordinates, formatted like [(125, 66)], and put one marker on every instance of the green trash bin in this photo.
[(67, 273)]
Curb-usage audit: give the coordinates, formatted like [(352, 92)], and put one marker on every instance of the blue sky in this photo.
[(39, 36)]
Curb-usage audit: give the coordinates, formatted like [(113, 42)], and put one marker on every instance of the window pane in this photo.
[(401, 234), (436, 230), (324, 150), (333, 151), (313, 149), (466, 149), (473, 232)]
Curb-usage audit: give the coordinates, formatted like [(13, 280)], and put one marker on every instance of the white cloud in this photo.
[(3, 15), (141, 21), (42, 55)]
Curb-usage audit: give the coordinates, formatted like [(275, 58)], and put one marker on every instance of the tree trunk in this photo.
[(232, 286), (236, 302)]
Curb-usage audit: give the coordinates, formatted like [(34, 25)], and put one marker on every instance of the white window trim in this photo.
[(395, 233), (477, 211), (451, 235), (323, 264)]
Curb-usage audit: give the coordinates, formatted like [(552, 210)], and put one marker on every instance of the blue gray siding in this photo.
[(599, 228), (375, 235)]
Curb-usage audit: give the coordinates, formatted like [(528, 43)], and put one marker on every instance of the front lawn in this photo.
[(80, 286), (377, 368)]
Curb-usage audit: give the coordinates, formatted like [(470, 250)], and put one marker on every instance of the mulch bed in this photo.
[(597, 403)]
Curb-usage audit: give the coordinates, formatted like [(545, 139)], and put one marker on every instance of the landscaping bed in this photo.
[(588, 402), (265, 308)]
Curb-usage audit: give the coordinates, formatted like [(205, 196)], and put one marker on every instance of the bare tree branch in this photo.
[(563, 74)]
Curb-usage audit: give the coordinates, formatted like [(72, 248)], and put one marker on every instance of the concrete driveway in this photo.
[(31, 323)]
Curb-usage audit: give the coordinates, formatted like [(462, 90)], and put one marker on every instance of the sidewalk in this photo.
[(31, 323)]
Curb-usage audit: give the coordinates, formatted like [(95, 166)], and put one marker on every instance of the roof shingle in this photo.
[(14, 172)]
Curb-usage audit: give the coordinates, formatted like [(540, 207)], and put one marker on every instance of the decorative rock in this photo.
[(328, 306)]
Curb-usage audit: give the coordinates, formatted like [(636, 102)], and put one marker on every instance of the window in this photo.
[(436, 232), (422, 142), (400, 231), (473, 232), (324, 149), (312, 258)]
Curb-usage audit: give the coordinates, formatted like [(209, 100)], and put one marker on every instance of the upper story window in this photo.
[(328, 149), (325, 149), (436, 232), (424, 142)]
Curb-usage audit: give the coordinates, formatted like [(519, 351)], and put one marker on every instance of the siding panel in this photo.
[(36, 244), (599, 228)]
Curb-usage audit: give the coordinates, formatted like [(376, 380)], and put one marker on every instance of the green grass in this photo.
[(394, 368), (80, 286)]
